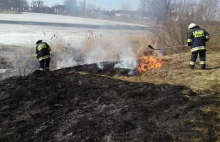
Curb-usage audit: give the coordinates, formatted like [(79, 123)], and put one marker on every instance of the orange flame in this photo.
[(149, 62), (99, 59)]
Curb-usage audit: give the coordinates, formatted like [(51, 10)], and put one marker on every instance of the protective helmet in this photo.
[(39, 41), (192, 25)]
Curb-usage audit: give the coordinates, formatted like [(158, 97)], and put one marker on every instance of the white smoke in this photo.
[(20, 61), (127, 60), (110, 49), (101, 49), (64, 60)]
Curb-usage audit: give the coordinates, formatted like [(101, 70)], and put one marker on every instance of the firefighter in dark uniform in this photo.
[(197, 38), (43, 55)]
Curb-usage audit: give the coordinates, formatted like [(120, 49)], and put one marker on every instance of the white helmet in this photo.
[(191, 25)]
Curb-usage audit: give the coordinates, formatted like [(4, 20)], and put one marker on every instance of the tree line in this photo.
[(69, 7), (18, 5), (163, 9)]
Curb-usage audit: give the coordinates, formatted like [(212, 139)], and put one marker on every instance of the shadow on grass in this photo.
[(212, 68)]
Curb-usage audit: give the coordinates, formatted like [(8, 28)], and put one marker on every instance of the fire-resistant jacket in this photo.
[(43, 51), (197, 38)]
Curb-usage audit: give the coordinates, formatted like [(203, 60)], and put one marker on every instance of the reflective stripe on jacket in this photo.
[(43, 51), (197, 39), (42, 46)]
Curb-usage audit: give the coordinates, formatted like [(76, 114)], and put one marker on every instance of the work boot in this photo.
[(203, 67), (192, 67)]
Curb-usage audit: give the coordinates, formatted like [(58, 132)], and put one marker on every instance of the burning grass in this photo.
[(98, 49), (146, 63), (175, 71)]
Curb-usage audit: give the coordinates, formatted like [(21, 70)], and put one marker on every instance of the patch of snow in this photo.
[(37, 17)]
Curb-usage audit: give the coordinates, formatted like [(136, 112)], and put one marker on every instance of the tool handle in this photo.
[(151, 47), (176, 46)]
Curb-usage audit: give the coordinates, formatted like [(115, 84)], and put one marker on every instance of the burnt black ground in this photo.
[(66, 105)]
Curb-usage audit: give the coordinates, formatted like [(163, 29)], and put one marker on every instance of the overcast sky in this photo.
[(106, 4)]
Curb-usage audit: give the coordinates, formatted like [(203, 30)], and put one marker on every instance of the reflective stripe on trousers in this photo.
[(202, 56), (192, 63), (44, 57), (198, 48), (202, 62)]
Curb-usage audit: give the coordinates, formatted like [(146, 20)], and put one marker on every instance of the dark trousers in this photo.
[(44, 65), (202, 56)]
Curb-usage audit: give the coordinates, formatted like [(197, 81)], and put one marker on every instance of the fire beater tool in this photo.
[(151, 47), (31, 72)]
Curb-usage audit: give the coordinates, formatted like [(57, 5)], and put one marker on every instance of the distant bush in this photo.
[(3, 60), (9, 11)]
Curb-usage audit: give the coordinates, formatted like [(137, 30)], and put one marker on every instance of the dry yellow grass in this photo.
[(58, 47), (140, 43), (3, 60), (175, 71)]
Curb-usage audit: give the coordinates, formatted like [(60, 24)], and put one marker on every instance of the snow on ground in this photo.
[(36, 17), (26, 35), (23, 35)]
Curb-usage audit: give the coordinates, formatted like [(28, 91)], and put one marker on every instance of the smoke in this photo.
[(107, 44), (64, 60), (94, 49), (127, 59), (20, 61), (102, 49), (159, 53)]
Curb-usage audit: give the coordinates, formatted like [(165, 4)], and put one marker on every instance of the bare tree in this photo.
[(70, 6), (158, 9), (23, 5), (143, 7), (208, 9), (161, 8), (182, 13), (84, 7), (126, 6), (38, 3), (184, 10), (91, 6), (18, 5), (37, 6), (4, 4)]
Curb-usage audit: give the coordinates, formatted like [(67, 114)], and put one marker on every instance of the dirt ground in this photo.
[(86, 104)]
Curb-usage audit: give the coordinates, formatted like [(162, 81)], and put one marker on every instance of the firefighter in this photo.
[(197, 38), (43, 55)]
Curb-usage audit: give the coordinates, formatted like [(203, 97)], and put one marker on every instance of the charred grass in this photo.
[(65, 105), (85, 103)]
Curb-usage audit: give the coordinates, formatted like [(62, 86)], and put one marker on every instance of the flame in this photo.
[(99, 59), (148, 62)]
